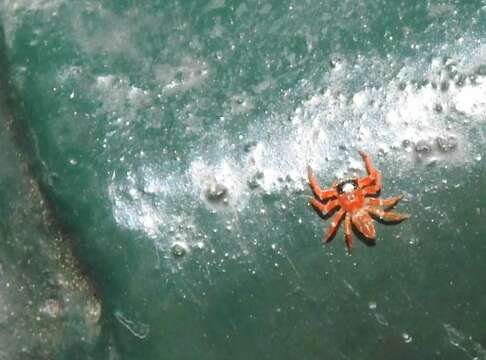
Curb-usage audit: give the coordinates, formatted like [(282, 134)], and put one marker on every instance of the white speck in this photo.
[(407, 338), (349, 187)]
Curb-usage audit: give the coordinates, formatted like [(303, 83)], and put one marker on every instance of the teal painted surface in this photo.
[(172, 142)]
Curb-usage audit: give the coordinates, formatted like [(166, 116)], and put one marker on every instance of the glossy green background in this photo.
[(171, 141)]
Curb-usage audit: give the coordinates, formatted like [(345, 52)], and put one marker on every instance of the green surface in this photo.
[(171, 142)]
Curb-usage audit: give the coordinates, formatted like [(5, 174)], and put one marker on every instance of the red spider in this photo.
[(356, 199)]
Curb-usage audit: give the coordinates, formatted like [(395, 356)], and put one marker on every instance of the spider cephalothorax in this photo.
[(357, 201)]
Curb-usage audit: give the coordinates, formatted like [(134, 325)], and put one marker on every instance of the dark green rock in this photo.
[(172, 139)]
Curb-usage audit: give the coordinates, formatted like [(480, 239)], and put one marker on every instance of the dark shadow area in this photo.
[(13, 111)]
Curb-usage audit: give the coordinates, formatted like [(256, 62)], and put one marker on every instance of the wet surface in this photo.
[(173, 141)]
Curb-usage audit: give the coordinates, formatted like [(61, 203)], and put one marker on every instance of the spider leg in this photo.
[(364, 223), (371, 183), (387, 215), (316, 189), (331, 231), (324, 208), (348, 234), (388, 203)]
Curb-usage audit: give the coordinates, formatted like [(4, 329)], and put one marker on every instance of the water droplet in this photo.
[(447, 144), (438, 108), (407, 338), (216, 191), (179, 249), (407, 145), (413, 241), (423, 147), (381, 319), (372, 305), (335, 63), (478, 158)]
